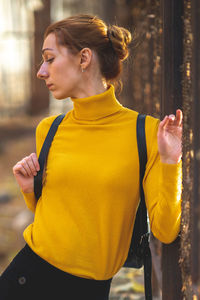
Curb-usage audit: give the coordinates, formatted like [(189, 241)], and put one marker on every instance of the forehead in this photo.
[(50, 42)]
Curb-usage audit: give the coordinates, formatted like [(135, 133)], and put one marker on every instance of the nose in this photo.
[(42, 73)]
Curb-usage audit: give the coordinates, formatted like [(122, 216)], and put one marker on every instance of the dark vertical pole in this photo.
[(196, 141), (151, 66), (171, 273), (124, 13), (40, 95), (172, 56), (172, 59), (120, 13), (109, 11)]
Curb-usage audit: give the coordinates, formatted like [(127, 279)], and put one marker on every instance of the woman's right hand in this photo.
[(24, 172)]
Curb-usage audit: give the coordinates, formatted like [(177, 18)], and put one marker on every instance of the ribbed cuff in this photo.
[(171, 180), (172, 172), (30, 200)]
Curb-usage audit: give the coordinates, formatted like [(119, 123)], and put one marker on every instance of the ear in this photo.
[(85, 58)]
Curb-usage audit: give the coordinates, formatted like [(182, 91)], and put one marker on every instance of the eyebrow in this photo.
[(45, 49)]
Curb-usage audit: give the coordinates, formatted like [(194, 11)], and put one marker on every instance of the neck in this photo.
[(90, 88), (96, 106)]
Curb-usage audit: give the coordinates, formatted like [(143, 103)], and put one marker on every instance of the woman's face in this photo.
[(60, 69)]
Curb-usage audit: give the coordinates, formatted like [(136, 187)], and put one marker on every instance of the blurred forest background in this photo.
[(157, 79)]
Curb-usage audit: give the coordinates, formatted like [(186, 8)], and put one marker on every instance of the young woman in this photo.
[(84, 218)]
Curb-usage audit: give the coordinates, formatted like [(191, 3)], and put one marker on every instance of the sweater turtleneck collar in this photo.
[(97, 106)]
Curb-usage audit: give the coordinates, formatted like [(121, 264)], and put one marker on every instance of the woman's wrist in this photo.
[(27, 191), (170, 161)]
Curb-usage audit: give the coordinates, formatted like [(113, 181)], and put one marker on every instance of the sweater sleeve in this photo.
[(41, 132), (162, 187), (30, 200)]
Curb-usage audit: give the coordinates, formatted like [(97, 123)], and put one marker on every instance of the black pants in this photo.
[(30, 277)]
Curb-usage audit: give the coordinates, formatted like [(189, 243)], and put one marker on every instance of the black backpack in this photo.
[(139, 252)]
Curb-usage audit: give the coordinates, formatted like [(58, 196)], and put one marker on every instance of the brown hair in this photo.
[(109, 42)]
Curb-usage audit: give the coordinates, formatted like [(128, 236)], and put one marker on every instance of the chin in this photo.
[(59, 96)]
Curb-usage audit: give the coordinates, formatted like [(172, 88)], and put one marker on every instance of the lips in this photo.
[(49, 85)]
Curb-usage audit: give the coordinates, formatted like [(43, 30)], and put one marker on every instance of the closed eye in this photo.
[(50, 60)]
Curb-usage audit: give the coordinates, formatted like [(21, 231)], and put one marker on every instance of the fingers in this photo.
[(179, 117), (172, 119), (28, 166), (34, 162), (164, 123), (19, 169)]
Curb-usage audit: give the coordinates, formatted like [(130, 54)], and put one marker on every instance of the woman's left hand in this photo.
[(170, 138)]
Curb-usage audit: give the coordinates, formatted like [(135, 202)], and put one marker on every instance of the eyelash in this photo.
[(50, 60)]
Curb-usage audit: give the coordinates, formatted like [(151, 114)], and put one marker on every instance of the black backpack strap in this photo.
[(142, 151), (43, 155)]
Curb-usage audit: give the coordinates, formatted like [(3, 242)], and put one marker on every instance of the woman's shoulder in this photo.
[(151, 121), (44, 125), (151, 127)]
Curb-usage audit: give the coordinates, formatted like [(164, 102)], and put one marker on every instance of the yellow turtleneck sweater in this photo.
[(84, 218)]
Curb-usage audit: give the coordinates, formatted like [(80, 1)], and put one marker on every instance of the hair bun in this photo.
[(120, 39)]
